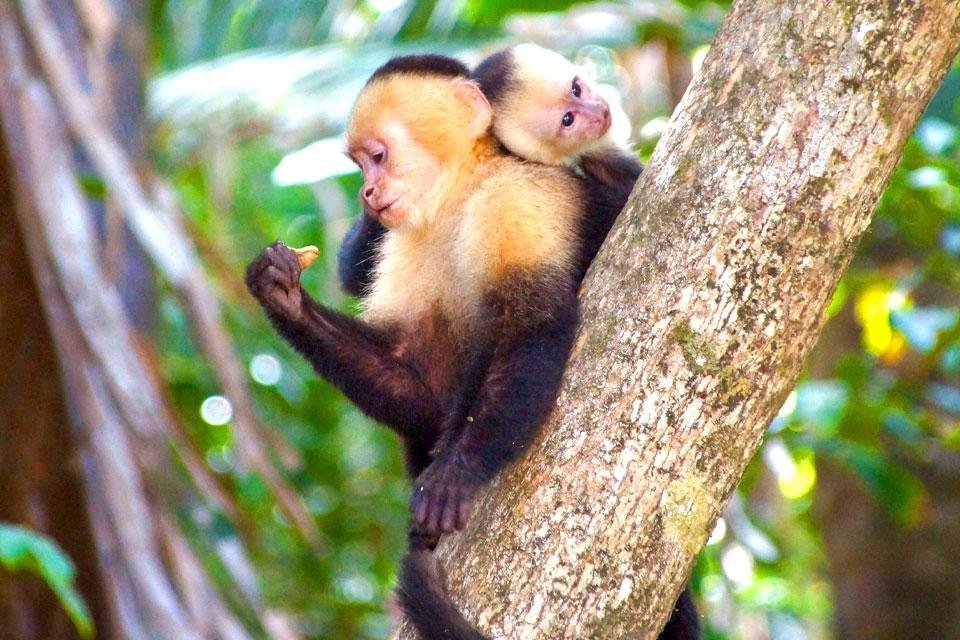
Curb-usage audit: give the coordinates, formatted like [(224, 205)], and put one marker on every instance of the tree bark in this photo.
[(68, 304), (699, 312), (43, 488)]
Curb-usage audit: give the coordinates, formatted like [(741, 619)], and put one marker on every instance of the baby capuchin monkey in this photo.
[(469, 317), (546, 111)]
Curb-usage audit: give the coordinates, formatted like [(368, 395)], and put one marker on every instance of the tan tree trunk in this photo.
[(699, 312), (82, 403), (41, 484)]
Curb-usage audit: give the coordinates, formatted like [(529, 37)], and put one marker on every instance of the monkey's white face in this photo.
[(400, 177), (586, 115)]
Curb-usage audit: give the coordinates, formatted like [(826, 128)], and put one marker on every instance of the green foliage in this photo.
[(487, 12), (23, 550)]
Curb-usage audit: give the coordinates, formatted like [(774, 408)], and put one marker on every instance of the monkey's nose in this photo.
[(367, 195)]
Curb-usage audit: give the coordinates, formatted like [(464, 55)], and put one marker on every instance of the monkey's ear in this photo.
[(470, 93)]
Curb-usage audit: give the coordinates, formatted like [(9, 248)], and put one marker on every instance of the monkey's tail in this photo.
[(684, 623), (425, 601)]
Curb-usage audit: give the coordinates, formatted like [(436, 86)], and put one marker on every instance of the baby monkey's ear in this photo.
[(469, 92)]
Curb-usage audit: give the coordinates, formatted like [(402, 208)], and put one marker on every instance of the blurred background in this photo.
[(169, 467)]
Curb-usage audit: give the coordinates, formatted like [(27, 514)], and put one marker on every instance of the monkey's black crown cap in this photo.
[(427, 64)]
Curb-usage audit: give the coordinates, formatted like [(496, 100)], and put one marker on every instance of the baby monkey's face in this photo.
[(585, 116), (549, 112)]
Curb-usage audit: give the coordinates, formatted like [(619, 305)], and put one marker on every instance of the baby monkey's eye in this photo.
[(575, 88), (378, 156), (567, 119)]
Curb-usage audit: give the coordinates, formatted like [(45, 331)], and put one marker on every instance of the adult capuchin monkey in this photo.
[(470, 316), (546, 111)]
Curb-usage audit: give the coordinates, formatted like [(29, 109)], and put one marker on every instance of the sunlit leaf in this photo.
[(873, 307), (936, 135), (494, 11), (821, 404), (23, 550)]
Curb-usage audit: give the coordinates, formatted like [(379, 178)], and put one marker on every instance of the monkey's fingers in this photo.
[(448, 519), (420, 505), (427, 506), (307, 255), (438, 503)]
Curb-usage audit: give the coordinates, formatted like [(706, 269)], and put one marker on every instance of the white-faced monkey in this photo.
[(470, 317)]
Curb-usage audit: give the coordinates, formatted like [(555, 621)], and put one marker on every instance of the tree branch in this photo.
[(698, 314), (114, 398)]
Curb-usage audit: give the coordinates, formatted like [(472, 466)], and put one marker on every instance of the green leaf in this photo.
[(23, 550), (93, 185)]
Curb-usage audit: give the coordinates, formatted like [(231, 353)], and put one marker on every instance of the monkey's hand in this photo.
[(443, 495), (274, 279)]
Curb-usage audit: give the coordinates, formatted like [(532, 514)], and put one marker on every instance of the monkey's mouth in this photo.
[(383, 213), (381, 210)]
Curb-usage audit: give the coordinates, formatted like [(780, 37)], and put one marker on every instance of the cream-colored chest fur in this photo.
[(419, 273), (523, 217)]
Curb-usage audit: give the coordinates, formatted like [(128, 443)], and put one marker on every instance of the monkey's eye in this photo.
[(576, 87), (567, 119), (378, 156)]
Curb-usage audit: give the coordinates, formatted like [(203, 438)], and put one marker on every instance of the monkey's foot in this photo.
[(442, 497)]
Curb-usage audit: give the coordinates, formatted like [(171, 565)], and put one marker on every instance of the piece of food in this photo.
[(307, 255)]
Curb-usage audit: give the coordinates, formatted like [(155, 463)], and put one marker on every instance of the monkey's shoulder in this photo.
[(524, 216)]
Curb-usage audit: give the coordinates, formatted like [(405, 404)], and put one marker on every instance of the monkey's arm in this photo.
[(609, 176), (612, 168), (537, 317), (354, 356), (358, 254)]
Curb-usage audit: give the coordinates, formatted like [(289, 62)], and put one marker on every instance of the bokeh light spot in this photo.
[(216, 410), (265, 369)]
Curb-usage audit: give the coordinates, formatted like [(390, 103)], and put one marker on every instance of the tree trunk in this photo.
[(82, 315), (699, 312), (42, 488)]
